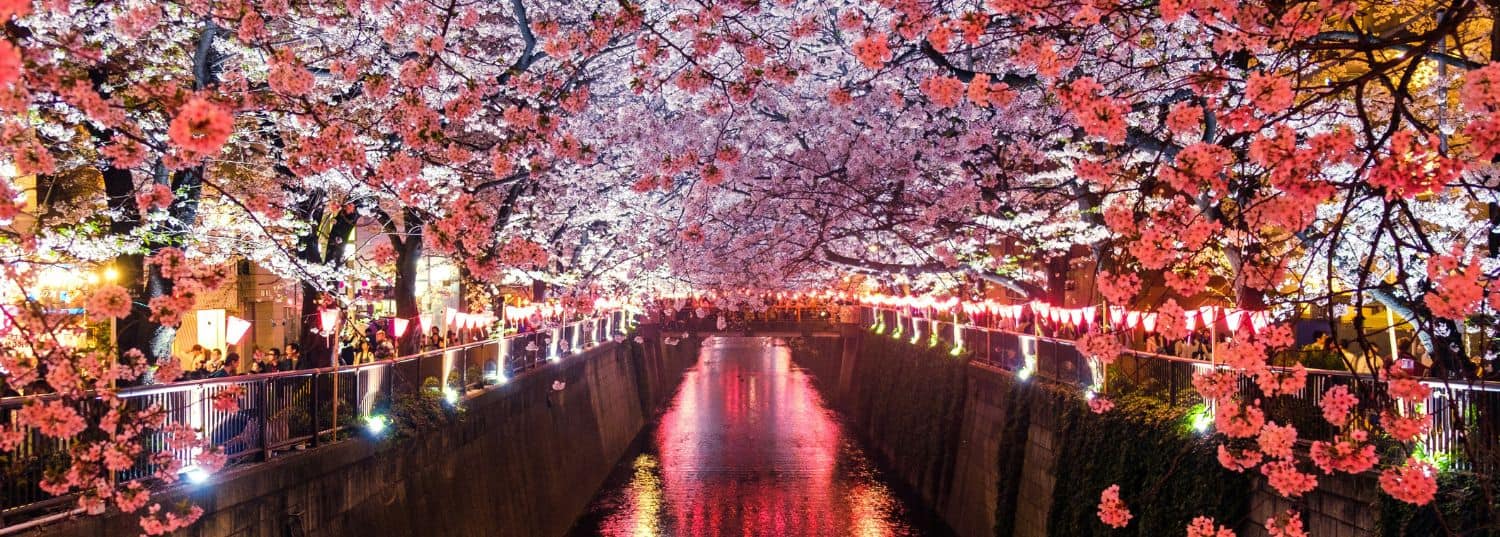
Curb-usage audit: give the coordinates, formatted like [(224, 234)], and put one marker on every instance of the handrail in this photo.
[(1452, 404), (149, 389), (1486, 385), (282, 409)]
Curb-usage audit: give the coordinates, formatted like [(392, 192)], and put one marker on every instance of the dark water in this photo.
[(748, 448)]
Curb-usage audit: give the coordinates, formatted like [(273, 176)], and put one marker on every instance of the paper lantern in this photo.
[(1148, 321), (328, 319), (1116, 316), (426, 322), (1209, 313), (1259, 320), (450, 317), (1090, 314), (398, 326), (234, 329), (1234, 318), (1075, 316), (1133, 319), (1190, 320)]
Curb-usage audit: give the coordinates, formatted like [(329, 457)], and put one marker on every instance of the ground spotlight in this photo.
[(194, 474), (376, 424)]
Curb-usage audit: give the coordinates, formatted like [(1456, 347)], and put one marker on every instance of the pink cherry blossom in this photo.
[(1100, 404), (1415, 483), (1283, 476), (52, 418), (1336, 404), (1112, 510), (1204, 527), (944, 91), (109, 301), (1238, 421), (1238, 460), (1270, 93), (1405, 428), (1214, 384), (1100, 346), (1287, 524), (1277, 441), (1350, 453), (872, 51), (201, 127), (10, 64)]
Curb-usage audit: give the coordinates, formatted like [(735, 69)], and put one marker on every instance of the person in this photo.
[(1323, 353), (192, 361), (291, 358), (273, 361), (1320, 341), (229, 367), (383, 347), (434, 339), (1405, 360), (1155, 344), (215, 361), (347, 348), (363, 355)]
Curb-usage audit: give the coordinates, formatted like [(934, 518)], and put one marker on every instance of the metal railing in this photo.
[(1463, 412), (292, 409)]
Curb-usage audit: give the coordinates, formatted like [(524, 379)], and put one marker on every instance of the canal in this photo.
[(747, 447)]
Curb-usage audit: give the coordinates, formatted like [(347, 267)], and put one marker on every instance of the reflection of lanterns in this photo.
[(234, 329), (327, 319), (398, 326)]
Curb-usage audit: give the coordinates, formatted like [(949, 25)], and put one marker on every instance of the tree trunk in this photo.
[(408, 254), (137, 330)]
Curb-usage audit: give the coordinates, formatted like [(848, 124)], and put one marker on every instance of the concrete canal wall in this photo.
[(993, 455)]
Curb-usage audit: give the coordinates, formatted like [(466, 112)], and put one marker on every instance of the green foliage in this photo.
[(426, 409), (1167, 474), (1465, 507)]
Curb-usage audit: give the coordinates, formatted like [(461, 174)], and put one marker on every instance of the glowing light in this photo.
[(327, 319), (111, 274), (496, 377), (398, 326), (234, 329), (450, 396), (376, 424), (1200, 418), (195, 474)]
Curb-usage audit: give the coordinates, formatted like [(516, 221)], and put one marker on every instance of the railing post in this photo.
[(316, 429), (1172, 384), (265, 422)]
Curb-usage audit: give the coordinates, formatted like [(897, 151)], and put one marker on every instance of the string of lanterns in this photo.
[(1088, 316)]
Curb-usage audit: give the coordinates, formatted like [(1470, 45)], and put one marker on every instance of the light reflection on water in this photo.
[(748, 448)]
